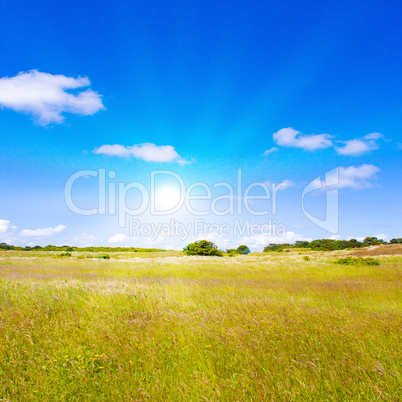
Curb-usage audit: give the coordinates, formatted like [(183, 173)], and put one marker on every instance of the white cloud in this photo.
[(7, 231), (357, 176), (359, 146), (45, 96), (271, 150), (117, 238), (354, 147), (4, 226), (361, 238), (288, 137), (373, 136), (354, 177), (147, 152), (45, 232)]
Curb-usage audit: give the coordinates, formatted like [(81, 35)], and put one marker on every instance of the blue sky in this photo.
[(283, 91)]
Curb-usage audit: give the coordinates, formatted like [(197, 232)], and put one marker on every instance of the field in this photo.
[(284, 326)]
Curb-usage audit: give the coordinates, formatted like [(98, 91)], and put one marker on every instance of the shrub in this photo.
[(65, 255), (274, 247), (306, 258), (105, 256), (357, 261), (5, 246), (202, 247), (239, 250), (243, 249)]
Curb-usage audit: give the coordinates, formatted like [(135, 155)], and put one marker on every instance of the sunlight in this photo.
[(167, 198)]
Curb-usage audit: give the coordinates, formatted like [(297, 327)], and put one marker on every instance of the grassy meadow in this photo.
[(162, 326)]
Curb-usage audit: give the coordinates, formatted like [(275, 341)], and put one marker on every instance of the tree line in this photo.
[(330, 244), (5, 246), (204, 247)]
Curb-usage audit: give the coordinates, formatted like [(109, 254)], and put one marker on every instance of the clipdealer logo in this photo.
[(199, 199)]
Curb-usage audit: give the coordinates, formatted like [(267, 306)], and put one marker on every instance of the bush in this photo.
[(65, 255), (243, 249), (5, 246), (306, 258), (275, 247), (357, 261), (105, 256), (202, 247), (239, 250)]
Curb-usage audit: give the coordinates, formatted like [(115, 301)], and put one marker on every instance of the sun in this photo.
[(167, 198)]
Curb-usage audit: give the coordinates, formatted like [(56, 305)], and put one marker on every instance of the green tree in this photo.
[(273, 247), (243, 249), (373, 241), (202, 247)]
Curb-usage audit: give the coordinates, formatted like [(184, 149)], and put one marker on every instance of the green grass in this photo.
[(357, 261), (168, 327)]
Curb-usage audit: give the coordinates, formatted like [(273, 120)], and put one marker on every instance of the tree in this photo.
[(273, 247), (5, 246), (302, 243), (243, 249), (232, 252), (202, 247), (373, 241)]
